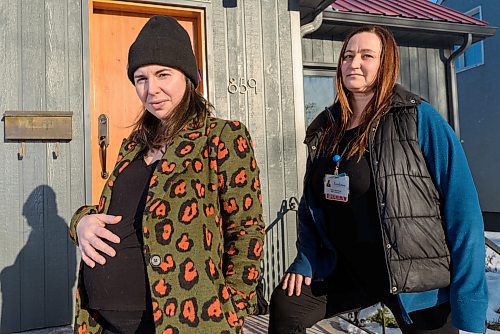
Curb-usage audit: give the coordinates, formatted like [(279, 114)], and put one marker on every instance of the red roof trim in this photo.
[(413, 9), (395, 9), (377, 9)]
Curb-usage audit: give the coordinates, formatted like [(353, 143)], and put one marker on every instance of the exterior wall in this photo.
[(479, 97), (41, 62), (45, 66), (423, 72), (324, 51), (253, 40), (421, 69)]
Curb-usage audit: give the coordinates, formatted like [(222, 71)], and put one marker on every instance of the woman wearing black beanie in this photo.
[(175, 242)]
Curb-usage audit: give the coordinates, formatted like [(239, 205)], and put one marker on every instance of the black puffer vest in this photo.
[(416, 251)]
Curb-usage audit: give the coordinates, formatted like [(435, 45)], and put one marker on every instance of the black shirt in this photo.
[(353, 226), (121, 283)]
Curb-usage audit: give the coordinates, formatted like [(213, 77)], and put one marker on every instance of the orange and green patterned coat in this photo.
[(203, 231)]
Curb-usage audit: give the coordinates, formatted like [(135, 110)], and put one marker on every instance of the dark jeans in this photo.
[(293, 314), (126, 322)]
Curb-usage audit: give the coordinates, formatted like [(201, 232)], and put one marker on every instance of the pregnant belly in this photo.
[(119, 284)]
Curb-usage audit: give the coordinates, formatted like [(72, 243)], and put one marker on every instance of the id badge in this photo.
[(336, 187)]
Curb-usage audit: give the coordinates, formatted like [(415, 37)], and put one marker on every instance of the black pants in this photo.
[(293, 314)]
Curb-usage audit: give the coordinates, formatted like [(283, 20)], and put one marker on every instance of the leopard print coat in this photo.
[(203, 231)]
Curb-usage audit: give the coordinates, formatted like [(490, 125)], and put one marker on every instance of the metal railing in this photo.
[(274, 268), (291, 205), (494, 247)]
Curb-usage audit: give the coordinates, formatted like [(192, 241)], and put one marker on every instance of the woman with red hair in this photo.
[(389, 212)]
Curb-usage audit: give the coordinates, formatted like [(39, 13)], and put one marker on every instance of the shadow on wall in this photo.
[(37, 288)]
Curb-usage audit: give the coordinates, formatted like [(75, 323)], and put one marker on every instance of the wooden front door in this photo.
[(115, 107)]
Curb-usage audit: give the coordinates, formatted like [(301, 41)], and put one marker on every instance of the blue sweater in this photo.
[(446, 161), (447, 164)]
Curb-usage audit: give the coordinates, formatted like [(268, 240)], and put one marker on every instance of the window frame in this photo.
[(462, 57), (316, 70)]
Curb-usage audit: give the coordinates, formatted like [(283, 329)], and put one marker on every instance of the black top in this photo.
[(121, 283), (353, 226)]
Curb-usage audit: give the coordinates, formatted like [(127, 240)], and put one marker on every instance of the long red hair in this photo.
[(383, 87)]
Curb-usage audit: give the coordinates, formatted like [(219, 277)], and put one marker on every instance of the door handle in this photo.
[(103, 134)]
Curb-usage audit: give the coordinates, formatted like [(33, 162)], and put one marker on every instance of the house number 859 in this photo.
[(242, 85)]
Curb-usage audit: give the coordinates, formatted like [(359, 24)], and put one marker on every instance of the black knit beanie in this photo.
[(163, 41)]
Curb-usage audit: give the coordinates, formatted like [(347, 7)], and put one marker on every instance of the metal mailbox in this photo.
[(38, 125)]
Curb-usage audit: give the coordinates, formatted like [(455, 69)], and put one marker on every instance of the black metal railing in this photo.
[(274, 267), (292, 204), (494, 247)]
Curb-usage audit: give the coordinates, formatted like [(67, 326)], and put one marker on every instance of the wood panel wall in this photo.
[(41, 62), (253, 41)]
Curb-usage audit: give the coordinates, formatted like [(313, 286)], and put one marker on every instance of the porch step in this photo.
[(253, 325), (258, 325)]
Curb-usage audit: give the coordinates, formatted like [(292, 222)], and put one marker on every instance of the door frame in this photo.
[(86, 10)]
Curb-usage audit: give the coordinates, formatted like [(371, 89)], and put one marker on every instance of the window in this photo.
[(319, 92), (474, 55)]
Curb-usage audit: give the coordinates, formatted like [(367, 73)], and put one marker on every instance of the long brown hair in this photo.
[(151, 132), (385, 81)]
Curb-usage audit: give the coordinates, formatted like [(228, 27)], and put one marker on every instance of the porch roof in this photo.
[(415, 22), (412, 9)]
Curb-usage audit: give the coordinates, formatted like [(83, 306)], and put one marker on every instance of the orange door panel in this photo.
[(114, 25)]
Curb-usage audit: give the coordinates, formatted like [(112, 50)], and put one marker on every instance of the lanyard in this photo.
[(336, 159)]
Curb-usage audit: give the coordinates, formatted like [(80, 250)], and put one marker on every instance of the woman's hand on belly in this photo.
[(91, 230)]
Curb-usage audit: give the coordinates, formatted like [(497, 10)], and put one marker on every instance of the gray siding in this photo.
[(253, 41), (42, 67), (478, 101), (421, 69), (423, 72), (320, 51)]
